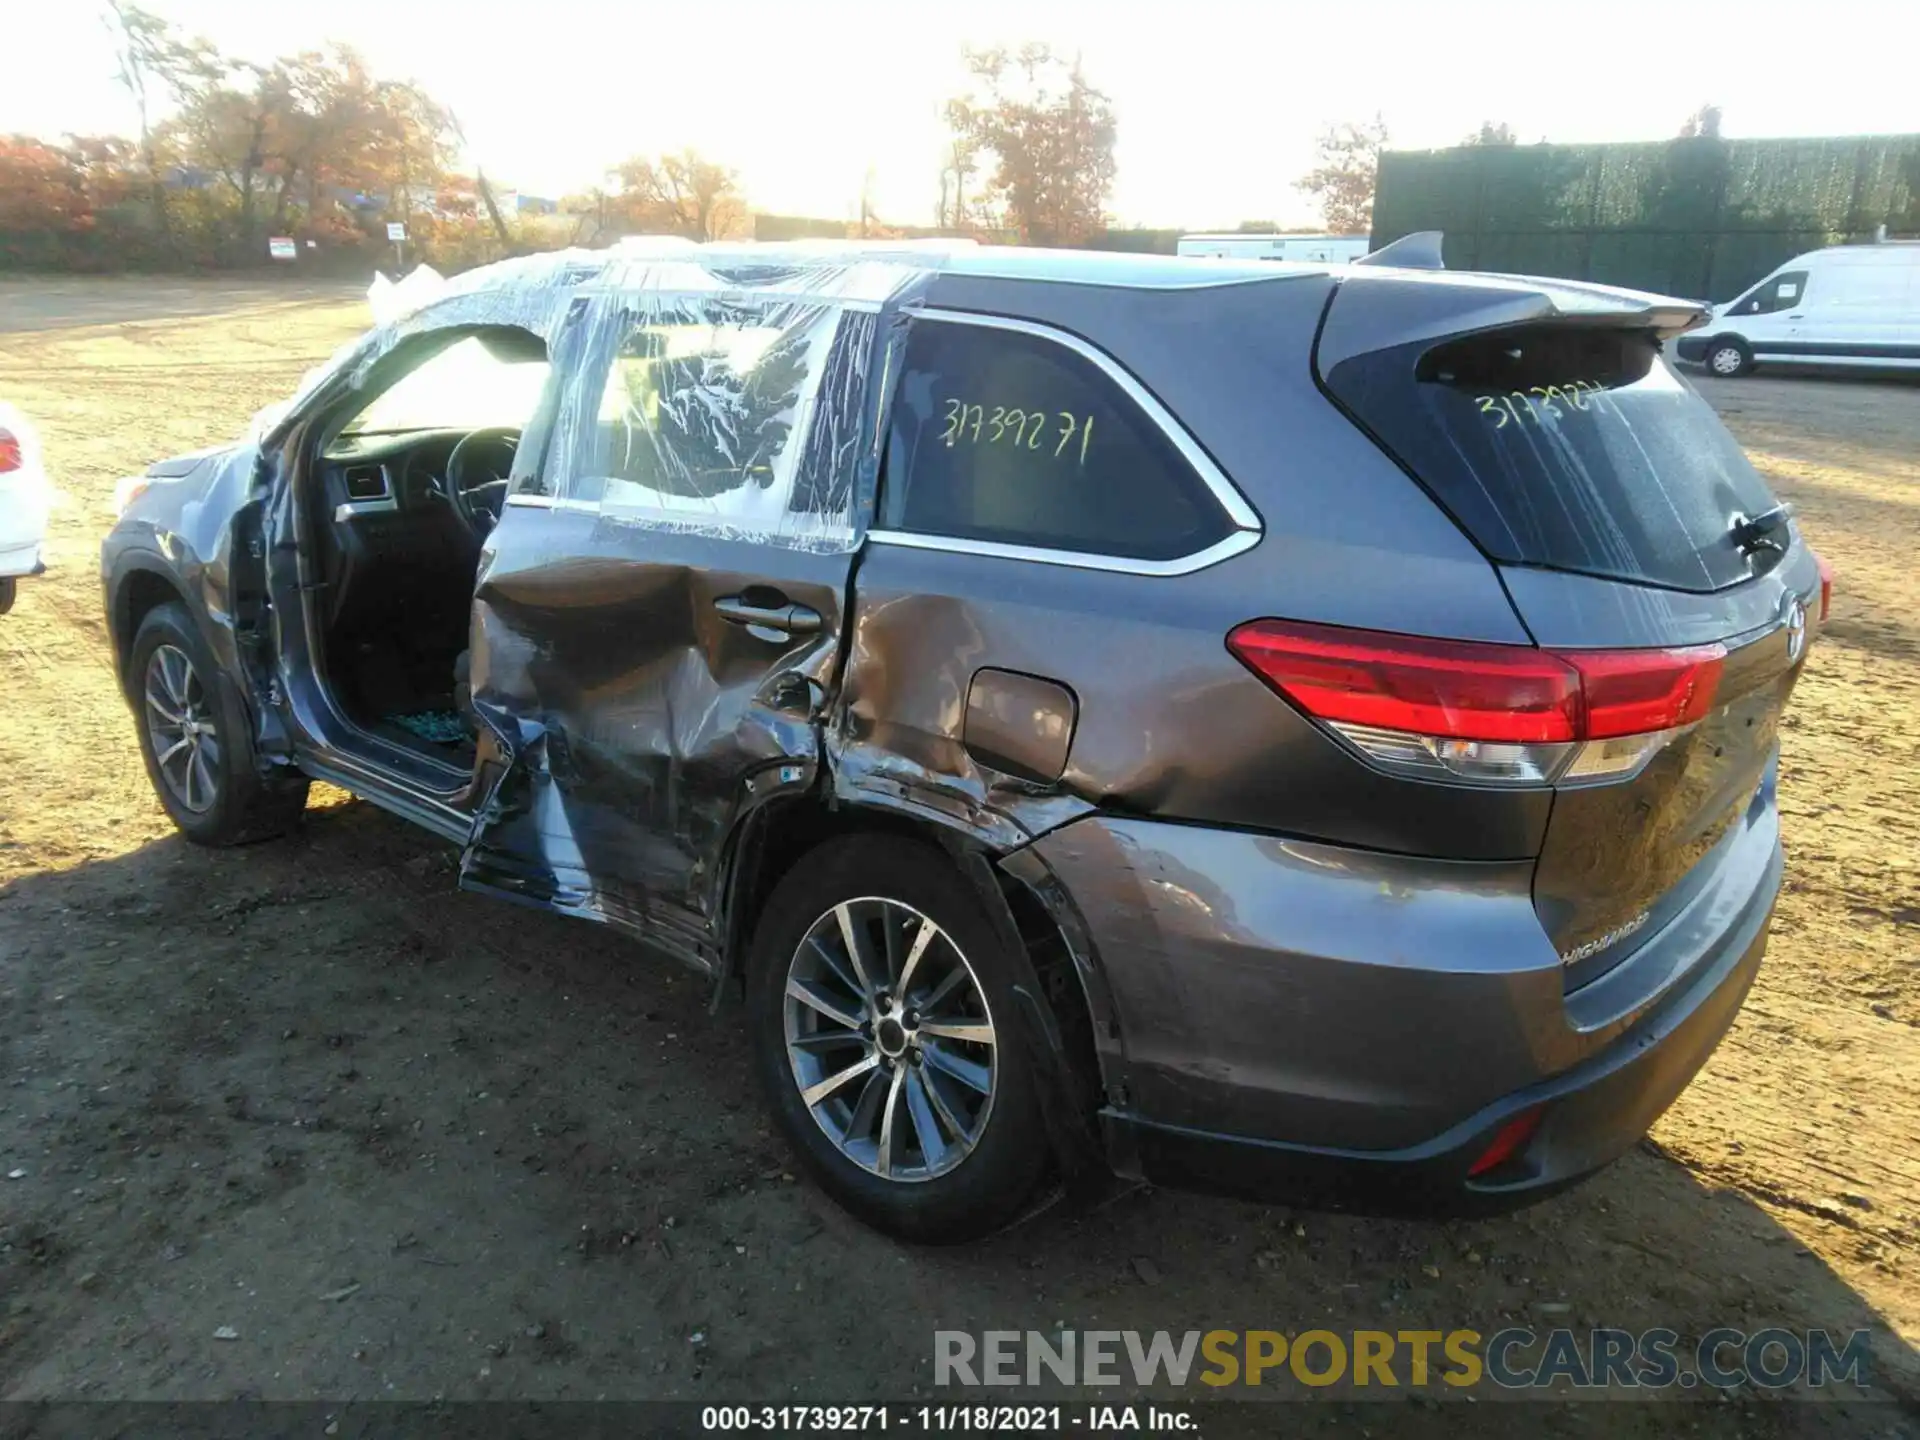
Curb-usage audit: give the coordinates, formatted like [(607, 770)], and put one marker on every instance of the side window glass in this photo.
[(1001, 436), (1782, 292), (701, 416)]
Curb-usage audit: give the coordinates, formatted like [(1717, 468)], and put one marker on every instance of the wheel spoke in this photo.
[(183, 743), (172, 667), (977, 1032), (890, 951), (922, 938), (926, 1129), (161, 703), (866, 1110), (856, 944), (890, 1108), (955, 978), (974, 1076), (944, 1110), (828, 1039), (196, 770), (824, 953), (821, 1003), (814, 1094)]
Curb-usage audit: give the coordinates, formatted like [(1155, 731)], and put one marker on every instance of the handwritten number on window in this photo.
[(1022, 429)]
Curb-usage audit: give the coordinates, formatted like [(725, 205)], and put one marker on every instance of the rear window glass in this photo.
[(1007, 437), (1566, 447)]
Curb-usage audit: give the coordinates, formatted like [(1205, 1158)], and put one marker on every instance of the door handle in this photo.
[(782, 620), (1796, 317)]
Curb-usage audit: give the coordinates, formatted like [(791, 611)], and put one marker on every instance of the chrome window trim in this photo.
[(1246, 520), (1223, 549)]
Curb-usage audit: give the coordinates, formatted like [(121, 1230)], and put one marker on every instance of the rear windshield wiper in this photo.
[(1762, 531)]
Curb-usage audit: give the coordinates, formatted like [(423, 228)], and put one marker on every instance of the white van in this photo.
[(1850, 305), (1336, 249)]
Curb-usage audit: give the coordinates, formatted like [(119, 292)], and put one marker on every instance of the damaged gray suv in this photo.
[(1305, 732)]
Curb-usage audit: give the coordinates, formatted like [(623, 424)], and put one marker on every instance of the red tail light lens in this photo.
[(1826, 585), (1402, 682), (1635, 692), (1495, 714), (9, 451)]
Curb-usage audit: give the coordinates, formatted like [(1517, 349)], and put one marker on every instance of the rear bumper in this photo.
[(25, 500), (1588, 1117), (1351, 1030)]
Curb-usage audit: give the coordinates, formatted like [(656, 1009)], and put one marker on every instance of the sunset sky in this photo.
[(1218, 103)]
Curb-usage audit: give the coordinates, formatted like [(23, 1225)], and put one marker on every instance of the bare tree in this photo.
[(1702, 124), (1343, 181), (963, 162), (142, 47)]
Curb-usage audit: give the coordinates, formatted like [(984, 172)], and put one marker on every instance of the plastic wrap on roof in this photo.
[(723, 390)]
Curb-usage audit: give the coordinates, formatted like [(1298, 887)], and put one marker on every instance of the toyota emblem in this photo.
[(1796, 629)]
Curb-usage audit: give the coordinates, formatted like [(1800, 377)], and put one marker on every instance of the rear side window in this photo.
[(1568, 447), (1780, 292), (1006, 437)]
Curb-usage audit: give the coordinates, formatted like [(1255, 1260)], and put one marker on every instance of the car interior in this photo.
[(403, 490)]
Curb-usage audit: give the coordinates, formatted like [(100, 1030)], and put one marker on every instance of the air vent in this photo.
[(366, 482)]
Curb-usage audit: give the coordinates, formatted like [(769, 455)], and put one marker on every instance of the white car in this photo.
[(25, 498)]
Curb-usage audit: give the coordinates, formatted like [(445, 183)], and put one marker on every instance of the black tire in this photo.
[(994, 1181), (227, 801), (8, 587), (1728, 357)]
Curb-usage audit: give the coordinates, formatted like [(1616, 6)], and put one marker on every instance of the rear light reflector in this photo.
[(1490, 714), (1509, 1140), (9, 452), (1826, 585)]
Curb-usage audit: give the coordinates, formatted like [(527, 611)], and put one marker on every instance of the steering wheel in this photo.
[(476, 480)]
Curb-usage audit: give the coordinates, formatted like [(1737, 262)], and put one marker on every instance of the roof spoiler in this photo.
[(1418, 251)]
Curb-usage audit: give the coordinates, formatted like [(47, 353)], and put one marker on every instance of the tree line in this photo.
[(317, 148)]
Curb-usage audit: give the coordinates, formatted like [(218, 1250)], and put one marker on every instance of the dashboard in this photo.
[(388, 531)]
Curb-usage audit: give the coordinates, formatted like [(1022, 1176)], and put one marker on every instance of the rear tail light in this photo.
[(1826, 585), (1490, 714), (9, 451)]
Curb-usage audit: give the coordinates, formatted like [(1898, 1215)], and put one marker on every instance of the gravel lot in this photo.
[(409, 1143)]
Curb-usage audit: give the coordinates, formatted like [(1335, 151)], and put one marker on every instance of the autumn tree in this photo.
[(1703, 124), (682, 194), (1492, 133), (1049, 136), (1343, 181)]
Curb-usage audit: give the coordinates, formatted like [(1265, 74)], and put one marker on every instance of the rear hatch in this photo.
[(1637, 543)]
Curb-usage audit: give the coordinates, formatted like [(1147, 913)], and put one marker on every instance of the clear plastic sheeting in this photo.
[(718, 389), (391, 299)]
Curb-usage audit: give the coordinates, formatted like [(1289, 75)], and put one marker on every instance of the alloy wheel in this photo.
[(180, 725), (890, 1040)]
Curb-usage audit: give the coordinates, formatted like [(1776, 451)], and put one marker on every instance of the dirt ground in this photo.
[(407, 1142)]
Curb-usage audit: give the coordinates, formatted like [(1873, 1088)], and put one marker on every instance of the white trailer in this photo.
[(1336, 249)]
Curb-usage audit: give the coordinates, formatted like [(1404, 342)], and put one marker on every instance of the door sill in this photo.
[(445, 813)]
